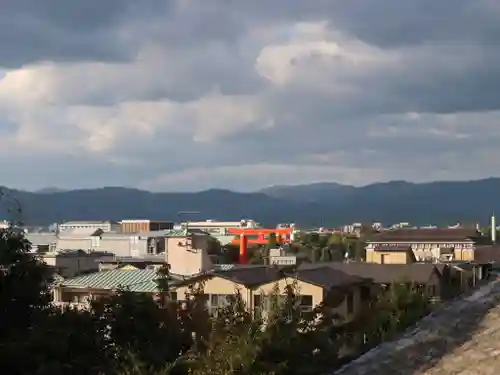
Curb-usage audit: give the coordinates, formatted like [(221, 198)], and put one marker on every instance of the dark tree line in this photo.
[(134, 334)]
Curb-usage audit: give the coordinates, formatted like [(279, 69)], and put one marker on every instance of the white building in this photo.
[(219, 227), (88, 226), (120, 244)]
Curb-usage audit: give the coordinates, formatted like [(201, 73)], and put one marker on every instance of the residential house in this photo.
[(79, 291), (256, 283), (434, 278)]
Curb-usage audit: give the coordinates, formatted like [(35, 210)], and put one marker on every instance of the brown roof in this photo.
[(458, 234), (256, 275), (384, 273), (397, 248), (487, 254), (327, 277), (251, 275)]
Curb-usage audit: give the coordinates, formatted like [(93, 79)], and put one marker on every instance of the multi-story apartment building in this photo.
[(121, 244), (401, 245)]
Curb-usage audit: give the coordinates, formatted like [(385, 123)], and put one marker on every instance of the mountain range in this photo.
[(318, 204)]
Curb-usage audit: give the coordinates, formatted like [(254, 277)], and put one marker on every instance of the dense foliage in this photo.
[(134, 334)]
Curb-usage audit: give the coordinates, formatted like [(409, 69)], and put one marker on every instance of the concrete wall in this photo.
[(120, 245), (74, 243), (124, 245), (73, 264), (188, 259), (464, 254)]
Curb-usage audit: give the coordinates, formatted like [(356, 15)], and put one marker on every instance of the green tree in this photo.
[(297, 342), (135, 324), (57, 342), (272, 242), (231, 347), (395, 309), (335, 239)]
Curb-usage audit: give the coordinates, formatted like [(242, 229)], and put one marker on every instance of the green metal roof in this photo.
[(111, 279), (139, 280), (176, 233), (184, 232), (134, 280)]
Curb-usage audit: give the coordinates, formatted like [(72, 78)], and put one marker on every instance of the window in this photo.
[(257, 305), (216, 302), (350, 303), (306, 303), (431, 290), (265, 303)]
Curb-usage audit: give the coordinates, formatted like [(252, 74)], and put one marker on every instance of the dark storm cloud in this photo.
[(59, 30), (393, 23)]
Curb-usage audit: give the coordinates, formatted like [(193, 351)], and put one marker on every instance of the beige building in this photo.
[(256, 283), (390, 247), (187, 252)]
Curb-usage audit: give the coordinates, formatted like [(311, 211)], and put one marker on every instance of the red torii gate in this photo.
[(283, 235)]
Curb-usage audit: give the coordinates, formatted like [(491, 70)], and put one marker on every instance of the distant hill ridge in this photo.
[(326, 204)]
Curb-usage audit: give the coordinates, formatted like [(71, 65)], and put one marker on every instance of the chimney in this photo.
[(493, 229)]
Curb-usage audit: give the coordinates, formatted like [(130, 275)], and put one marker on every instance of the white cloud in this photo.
[(244, 96)]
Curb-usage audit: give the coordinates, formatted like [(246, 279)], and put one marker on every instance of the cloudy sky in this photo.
[(194, 94)]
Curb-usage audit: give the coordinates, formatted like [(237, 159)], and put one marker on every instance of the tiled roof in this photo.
[(224, 267), (111, 279), (138, 280), (327, 277), (397, 248), (256, 275), (426, 235), (382, 273), (487, 254)]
